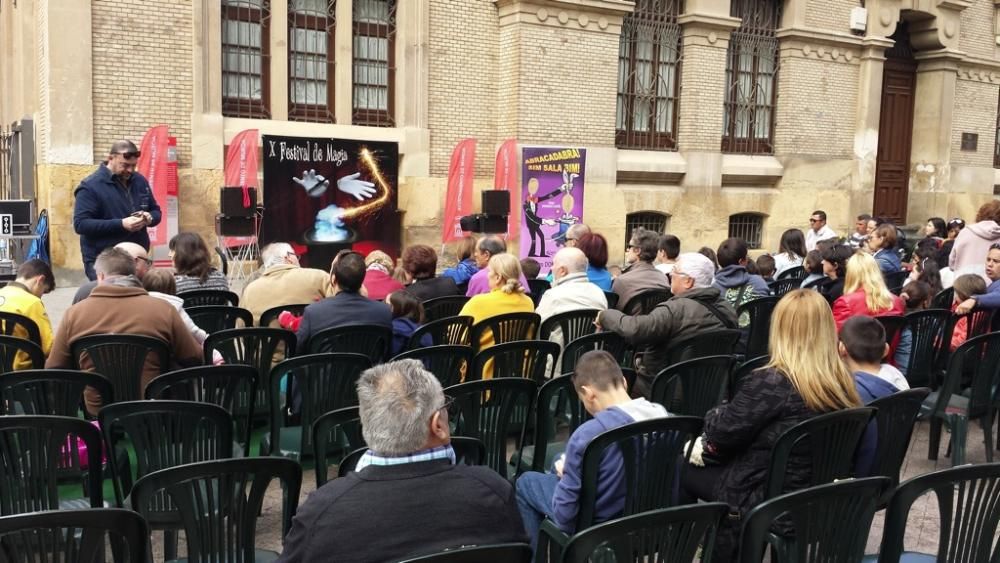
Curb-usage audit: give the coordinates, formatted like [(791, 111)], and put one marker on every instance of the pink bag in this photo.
[(81, 450)]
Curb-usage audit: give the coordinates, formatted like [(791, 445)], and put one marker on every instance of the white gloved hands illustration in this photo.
[(314, 184), (360, 189)]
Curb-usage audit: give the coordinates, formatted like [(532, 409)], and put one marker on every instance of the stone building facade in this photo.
[(700, 117)]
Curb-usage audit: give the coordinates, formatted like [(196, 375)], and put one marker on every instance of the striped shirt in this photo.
[(372, 458)]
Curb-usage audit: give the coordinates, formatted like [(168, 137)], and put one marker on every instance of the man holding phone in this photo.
[(114, 204)]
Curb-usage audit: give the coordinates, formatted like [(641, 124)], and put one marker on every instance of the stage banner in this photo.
[(324, 195), (458, 200), (241, 162), (153, 165), (505, 178), (551, 198)]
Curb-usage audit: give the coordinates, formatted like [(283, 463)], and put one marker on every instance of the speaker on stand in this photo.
[(237, 227)]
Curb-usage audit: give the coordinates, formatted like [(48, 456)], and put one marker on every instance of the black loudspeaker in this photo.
[(231, 202), (496, 202), (235, 226)]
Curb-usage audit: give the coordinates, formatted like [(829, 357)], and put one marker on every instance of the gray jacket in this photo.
[(639, 277)]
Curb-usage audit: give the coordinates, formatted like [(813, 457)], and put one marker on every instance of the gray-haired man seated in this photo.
[(408, 496)]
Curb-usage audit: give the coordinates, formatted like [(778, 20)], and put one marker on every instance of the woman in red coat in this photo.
[(379, 282), (865, 292)]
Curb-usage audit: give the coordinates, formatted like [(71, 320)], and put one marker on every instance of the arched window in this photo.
[(310, 60), (747, 226), (649, 220), (751, 71), (648, 61), (245, 58)]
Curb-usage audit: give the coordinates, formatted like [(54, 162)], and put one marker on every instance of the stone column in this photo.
[(279, 61), (933, 116), (343, 97), (869, 112)]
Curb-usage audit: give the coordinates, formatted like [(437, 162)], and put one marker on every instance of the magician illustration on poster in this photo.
[(325, 195), (552, 200)]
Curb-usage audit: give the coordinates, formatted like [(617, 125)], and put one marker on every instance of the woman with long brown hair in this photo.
[(193, 264)]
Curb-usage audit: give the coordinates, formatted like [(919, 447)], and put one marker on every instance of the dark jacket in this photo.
[(402, 329), (429, 288), (736, 277), (640, 276), (388, 513), (680, 317), (341, 309), (101, 204)]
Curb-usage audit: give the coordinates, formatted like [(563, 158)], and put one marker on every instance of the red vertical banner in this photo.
[(153, 165), (505, 178), (241, 162), (458, 201)]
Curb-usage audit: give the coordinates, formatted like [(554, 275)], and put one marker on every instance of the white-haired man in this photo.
[(571, 290), (408, 497), (695, 308), (142, 265), (284, 281)]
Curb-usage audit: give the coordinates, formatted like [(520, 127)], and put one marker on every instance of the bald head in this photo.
[(139, 254), (568, 261), (575, 232)]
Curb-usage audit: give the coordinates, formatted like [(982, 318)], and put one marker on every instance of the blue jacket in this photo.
[(341, 309), (600, 277), (402, 329), (462, 272), (888, 260), (735, 276), (990, 299), (870, 387), (100, 206)]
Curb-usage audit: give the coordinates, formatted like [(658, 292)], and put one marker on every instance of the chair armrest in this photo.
[(551, 542)]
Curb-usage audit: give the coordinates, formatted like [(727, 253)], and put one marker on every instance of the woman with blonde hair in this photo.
[(799, 382), (865, 292)]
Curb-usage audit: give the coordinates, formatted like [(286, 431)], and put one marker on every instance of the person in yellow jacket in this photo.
[(24, 297)]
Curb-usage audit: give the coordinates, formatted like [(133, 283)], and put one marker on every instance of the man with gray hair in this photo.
[(407, 496), (283, 281), (695, 308), (571, 290), (486, 248), (142, 265), (640, 275)]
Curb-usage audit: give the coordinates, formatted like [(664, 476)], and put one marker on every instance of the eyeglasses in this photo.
[(146, 259), (448, 405), (129, 155)]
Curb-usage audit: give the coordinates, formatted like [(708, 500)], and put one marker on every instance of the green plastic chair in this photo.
[(56, 392), (927, 328), (968, 498), (667, 534), (557, 405), (270, 316), (758, 315), (10, 322), (644, 302), (571, 325), (823, 524), (441, 307), (496, 553), (895, 418), (338, 432), (610, 342), (448, 363), (528, 359), (712, 343), (742, 370), (121, 358), (454, 331), (653, 453), (75, 536), (371, 340), (505, 328), (694, 387), (978, 323), (213, 318), (202, 297), (952, 407)]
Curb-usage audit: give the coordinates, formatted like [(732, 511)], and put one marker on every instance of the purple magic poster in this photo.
[(552, 200)]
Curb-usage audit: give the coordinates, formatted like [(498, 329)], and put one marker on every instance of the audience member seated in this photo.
[(640, 274), (193, 264), (419, 264), (936, 230), (990, 299), (974, 241), (669, 248), (967, 287), (695, 308), (925, 269), (916, 297), (737, 286), (347, 306), (813, 266), (865, 292), (765, 267), (378, 276), (407, 476), (407, 316), (955, 226), (160, 283), (882, 246), (283, 282), (791, 251), (595, 247), (486, 249), (710, 254), (570, 291), (799, 383), (118, 305), (466, 267), (601, 388), (834, 262), (860, 234), (818, 230), (142, 264), (531, 268), (23, 296), (575, 232)]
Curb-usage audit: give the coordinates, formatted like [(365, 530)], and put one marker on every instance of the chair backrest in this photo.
[(572, 324), (759, 314), (449, 330), (468, 451), (337, 431), (895, 280), (980, 357), (523, 358), (12, 346), (666, 534), (490, 410), (928, 344), (693, 387), (611, 342), (781, 287), (644, 302), (121, 358), (199, 297), (895, 418), (652, 453), (10, 322), (826, 443), (56, 392), (163, 434), (35, 451), (612, 298), (557, 404), (448, 363), (271, 315), (213, 318), (893, 325), (537, 288), (506, 328), (793, 272), (497, 553), (943, 299), (967, 497), (219, 502), (441, 307), (323, 383), (829, 523), (373, 341), (253, 347), (741, 371), (85, 534), (712, 343)]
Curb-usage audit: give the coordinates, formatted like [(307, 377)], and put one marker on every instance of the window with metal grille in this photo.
[(310, 60), (374, 62), (649, 220), (747, 226), (245, 57), (648, 64), (751, 71), (996, 141)]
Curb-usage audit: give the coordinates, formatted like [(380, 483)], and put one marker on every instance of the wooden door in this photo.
[(895, 135)]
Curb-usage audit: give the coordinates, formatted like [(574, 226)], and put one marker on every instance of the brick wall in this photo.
[(830, 15), (975, 112), (702, 95), (977, 37), (142, 71), (817, 101)]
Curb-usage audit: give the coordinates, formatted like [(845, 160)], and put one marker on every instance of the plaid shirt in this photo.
[(372, 458)]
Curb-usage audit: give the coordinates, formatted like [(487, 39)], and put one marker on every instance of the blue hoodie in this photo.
[(734, 276), (462, 272), (870, 387), (990, 299)]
